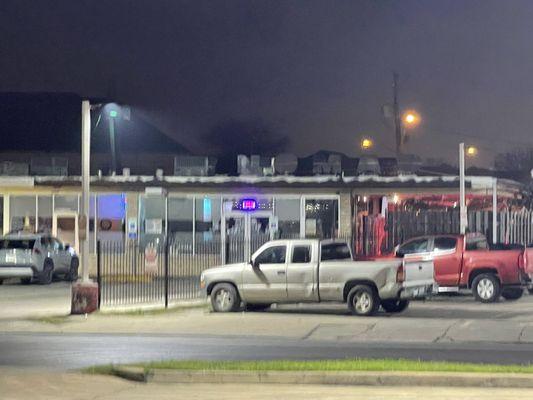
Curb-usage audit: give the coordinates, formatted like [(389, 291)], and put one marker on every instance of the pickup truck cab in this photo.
[(310, 270), (466, 261)]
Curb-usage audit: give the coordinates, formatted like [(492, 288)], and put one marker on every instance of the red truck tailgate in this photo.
[(528, 261)]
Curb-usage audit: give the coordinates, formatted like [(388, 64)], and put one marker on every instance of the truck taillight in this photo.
[(522, 260), (400, 274)]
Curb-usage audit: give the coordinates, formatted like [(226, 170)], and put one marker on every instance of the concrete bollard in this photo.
[(84, 297)]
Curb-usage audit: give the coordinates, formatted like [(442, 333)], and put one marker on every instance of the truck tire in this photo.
[(257, 307), (486, 288), (512, 293), (394, 306), (225, 298), (47, 274), (363, 300)]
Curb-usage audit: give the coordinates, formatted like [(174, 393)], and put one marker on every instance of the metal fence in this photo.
[(378, 235), (161, 273)]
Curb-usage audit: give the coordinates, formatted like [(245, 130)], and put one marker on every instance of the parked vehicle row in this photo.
[(36, 257), (468, 262), (313, 271)]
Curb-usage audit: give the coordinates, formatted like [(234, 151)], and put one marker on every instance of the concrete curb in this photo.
[(136, 374), (446, 379)]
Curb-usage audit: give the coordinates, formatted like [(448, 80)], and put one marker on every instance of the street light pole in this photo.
[(112, 144), (463, 217), (397, 119), (85, 182)]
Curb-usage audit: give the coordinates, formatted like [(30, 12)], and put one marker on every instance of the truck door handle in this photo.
[(281, 272)]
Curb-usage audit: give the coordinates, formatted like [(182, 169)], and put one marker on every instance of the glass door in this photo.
[(234, 233)]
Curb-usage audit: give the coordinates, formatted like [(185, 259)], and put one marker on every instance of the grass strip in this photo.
[(359, 364)]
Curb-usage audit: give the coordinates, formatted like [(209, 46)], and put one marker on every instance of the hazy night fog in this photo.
[(317, 72)]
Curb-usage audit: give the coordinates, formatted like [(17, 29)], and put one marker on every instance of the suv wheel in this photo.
[(225, 298), (45, 277), (395, 306), (363, 300), (512, 293), (72, 274), (486, 288)]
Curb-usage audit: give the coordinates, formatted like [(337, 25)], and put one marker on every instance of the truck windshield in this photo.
[(16, 244), (335, 251)]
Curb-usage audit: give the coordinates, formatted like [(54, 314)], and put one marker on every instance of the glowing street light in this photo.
[(411, 119), (471, 151), (367, 143)]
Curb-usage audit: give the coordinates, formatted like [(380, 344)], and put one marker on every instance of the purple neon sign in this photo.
[(248, 204)]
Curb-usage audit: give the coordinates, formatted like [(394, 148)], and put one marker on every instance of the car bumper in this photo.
[(417, 292), (16, 272)]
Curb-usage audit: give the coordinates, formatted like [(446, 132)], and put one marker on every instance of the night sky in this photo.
[(316, 71)]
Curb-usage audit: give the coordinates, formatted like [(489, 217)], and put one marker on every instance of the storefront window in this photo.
[(321, 218), (152, 216), (288, 214), (44, 211), (111, 215), (207, 218), (66, 202), (180, 219), (22, 212)]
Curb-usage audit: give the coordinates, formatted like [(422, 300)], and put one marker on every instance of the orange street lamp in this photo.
[(471, 151), (367, 143), (411, 119)]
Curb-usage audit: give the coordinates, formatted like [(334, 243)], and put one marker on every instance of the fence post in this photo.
[(98, 271), (166, 270)]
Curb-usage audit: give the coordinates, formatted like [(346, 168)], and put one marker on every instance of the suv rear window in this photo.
[(335, 251), (16, 244)]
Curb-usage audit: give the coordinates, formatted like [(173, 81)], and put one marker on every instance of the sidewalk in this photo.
[(290, 325), (17, 385)]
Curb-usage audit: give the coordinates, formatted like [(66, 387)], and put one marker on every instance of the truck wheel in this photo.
[(486, 288), (363, 300), (512, 294), (224, 298), (257, 307), (45, 277), (394, 306)]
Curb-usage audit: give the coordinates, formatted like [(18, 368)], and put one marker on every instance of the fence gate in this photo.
[(157, 274)]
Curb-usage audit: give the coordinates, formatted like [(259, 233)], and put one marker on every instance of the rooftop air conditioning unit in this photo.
[(368, 166)]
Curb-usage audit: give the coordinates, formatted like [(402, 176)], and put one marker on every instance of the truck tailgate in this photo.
[(418, 270), (528, 261)]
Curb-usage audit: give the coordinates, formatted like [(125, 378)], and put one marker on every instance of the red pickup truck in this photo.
[(465, 261)]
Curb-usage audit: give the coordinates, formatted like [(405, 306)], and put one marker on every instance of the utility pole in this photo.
[(463, 216), (397, 119), (85, 178)]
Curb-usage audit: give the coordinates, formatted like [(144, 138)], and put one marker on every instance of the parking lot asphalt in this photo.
[(20, 301), (443, 319)]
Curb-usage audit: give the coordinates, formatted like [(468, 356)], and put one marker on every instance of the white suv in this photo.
[(37, 257)]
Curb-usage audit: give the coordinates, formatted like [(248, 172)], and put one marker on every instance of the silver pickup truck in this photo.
[(310, 270)]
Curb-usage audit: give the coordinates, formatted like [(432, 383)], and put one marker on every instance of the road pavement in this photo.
[(447, 328)]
